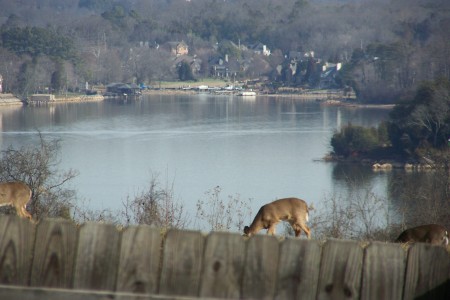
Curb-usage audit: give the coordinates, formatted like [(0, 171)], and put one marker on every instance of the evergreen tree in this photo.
[(58, 79), (185, 71)]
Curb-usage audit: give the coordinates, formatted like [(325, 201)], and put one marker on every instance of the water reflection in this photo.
[(265, 148), (353, 173), (420, 196)]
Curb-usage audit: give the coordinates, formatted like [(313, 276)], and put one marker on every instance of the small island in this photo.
[(416, 136)]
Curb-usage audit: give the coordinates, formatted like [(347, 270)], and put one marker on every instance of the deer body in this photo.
[(16, 194), (432, 233), (292, 210)]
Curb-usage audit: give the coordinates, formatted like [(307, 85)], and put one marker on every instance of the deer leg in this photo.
[(305, 229), (296, 228), (271, 229), (24, 213), (299, 225)]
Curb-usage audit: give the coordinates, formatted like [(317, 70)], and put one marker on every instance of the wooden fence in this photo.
[(55, 259)]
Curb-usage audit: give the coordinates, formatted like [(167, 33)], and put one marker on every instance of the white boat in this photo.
[(247, 93)]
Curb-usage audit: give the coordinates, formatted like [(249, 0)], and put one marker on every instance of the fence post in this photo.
[(223, 265), (182, 263), (261, 266), (16, 250), (54, 254), (298, 269), (427, 272), (340, 270), (97, 257), (383, 271), (139, 260)]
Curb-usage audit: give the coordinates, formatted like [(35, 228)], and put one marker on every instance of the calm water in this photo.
[(259, 148)]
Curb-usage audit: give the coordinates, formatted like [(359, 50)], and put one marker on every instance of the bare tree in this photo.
[(423, 198), (223, 215), (9, 69), (433, 115), (155, 206), (360, 214), (37, 167)]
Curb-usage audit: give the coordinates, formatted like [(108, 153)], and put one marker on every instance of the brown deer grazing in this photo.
[(292, 210), (16, 194), (432, 233)]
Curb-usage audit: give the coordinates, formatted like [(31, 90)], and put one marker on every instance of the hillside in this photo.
[(385, 47)]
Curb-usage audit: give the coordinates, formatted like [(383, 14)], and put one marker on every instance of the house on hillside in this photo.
[(226, 67), (177, 48), (194, 62), (230, 45), (328, 75), (260, 48), (300, 55), (147, 44)]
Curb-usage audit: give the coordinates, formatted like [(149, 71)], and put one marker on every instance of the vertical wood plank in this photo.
[(427, 272), (261, 266), (383, 271), (139, 260), (298, 269), (16, 250), (340, 270), (54, 254), (182, 263), (97, 257), (223, 264)]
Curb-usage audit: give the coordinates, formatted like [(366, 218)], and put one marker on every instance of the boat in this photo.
[(247, 93)]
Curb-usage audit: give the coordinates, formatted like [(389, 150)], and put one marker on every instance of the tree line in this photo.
[(387, 48)]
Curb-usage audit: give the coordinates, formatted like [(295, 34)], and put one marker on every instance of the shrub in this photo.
[(357, 139), (223, 215), (155, 206)]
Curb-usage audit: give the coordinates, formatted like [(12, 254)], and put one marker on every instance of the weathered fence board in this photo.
[(298, 269), (384, 271), (182, 263), (25, 293), (16, 250), (340, 270), (261, 267), (97, 257), (139, 260), (223, 265), (102, 262), (427, 273), (54, 254)]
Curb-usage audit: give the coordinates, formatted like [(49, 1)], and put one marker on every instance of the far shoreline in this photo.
[(326, 97), (322, 96)]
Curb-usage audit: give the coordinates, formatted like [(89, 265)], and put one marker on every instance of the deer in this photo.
[(432, 233), (292, 210), (16, 194)]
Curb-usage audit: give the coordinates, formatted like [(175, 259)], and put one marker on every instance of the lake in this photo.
[(259, 148)]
